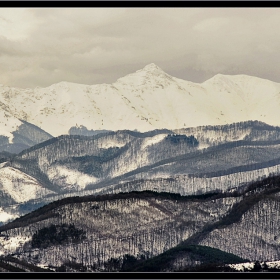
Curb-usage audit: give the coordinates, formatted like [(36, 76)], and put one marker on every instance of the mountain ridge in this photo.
[(147, 99), (151, 227), (187, 161)]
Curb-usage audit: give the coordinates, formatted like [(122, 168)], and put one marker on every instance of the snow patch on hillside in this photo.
[(20, 186), (202, 146), (152, 140), (242, 266), (250, 265), (11, 244), (70, 179), (4, 216), (3, 164), (8, 124), (110, 144)]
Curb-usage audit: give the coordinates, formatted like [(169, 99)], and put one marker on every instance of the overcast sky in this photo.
[(42, 46)]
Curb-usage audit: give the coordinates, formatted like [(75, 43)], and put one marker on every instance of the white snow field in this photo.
[(144, 100)]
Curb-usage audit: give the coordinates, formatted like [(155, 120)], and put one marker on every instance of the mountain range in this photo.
[(145, 100), (189, 161), (150, 173)]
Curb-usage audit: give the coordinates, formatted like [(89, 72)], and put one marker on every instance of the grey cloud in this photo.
[(100, 45)]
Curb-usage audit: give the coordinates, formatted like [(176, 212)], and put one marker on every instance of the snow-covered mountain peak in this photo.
[(65, 85), (147, 99), (152, 71), (217, 78), (151, 68), (151, 75), (238, 78), (62, 83)]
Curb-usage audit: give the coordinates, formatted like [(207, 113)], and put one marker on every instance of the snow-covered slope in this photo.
[(8, 124), (17, 134), (20, 186), (145, 100), (250, 265), (5, 216), (189, 161)]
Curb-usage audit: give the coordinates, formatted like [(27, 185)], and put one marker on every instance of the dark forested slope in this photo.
[(97, 231)]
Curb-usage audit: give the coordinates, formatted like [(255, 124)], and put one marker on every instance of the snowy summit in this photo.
[(146, 99)]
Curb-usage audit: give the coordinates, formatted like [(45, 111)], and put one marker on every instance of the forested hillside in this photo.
[(136, 231), (186, 161)]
